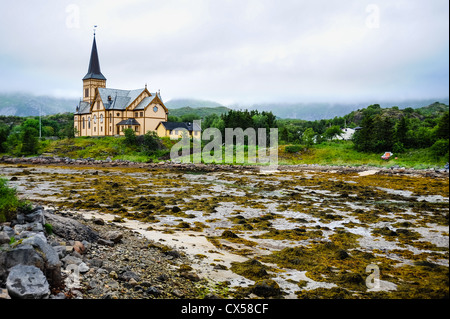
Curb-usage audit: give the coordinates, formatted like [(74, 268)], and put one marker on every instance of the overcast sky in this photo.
[(231, 51)]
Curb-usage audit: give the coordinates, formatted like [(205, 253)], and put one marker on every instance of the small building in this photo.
[(175, 129), (347, 134), (107, 112)]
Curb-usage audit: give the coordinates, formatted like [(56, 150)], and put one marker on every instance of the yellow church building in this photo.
[(108, 112)]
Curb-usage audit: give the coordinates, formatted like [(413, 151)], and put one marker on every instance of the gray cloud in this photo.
[(231, 51)]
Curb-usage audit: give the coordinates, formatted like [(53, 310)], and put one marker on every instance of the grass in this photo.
[(342, 153), (336, 153)]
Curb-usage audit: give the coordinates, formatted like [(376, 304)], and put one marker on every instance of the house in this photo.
[(108, 112), (175, 129), (347, 134)]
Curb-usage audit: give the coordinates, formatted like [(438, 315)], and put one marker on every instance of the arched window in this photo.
[(89, 122), (95, 119), (83, 122), (101, 118)]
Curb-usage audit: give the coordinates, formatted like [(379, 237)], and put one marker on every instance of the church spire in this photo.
[(94, 65)]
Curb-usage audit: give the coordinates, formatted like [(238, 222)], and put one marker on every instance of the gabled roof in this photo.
[(115, 99), (129, 122), (83, 108), (180, 125), (94, 65)]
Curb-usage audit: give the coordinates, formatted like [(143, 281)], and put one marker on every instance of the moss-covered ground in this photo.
[(327, 227)]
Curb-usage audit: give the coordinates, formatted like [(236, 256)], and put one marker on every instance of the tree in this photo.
[(130, 137), (30, 142), (308, 137), (442, 131), (4, 132), (401, 131), (332, 132), (363, 138)]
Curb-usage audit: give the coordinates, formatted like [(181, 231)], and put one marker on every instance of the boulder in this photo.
[(27, 282), (25, 255), (70, 229), (114, 236), (51, 257)]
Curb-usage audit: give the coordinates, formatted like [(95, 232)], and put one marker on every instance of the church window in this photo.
[(142, 114), (95, 119), (101, 118), (83, 122), (86, 92), (135, 114), (89, 122), (110, 117), (155, 109)]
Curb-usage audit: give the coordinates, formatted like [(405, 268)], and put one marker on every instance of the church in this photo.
[(108, 112)]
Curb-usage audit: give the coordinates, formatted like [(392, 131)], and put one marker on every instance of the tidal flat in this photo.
[(295, 233)]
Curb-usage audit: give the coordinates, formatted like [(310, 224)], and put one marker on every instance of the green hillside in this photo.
[(198, 111)]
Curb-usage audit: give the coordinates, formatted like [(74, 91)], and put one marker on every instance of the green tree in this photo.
[(363, 139), (30, 142), (4, 132), (442, 131), (332, 132), (308, 137), (130, 137)]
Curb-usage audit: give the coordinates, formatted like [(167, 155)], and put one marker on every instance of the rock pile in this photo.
[(48, 254)]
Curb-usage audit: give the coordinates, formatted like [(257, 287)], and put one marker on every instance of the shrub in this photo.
[(440, 148), (9, 203), (293, 148)]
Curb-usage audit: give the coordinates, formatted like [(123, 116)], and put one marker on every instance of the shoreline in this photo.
[(200, 167)]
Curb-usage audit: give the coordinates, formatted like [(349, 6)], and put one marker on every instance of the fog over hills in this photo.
[(25, 104)]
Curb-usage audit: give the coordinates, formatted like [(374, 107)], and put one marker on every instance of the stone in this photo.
[(4, 238), (27, 282), (51, 257), (36, 215), (79, 247), (266, 288), (70, 229), (114, 236), (25, 255), (71, 260), (83, 268)]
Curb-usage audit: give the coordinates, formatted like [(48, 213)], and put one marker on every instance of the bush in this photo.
[(293, 148), (9, 203), (440, 148)]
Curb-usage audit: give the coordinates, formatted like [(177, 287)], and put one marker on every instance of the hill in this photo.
[(181, 103), (25, 104), (200, 111)]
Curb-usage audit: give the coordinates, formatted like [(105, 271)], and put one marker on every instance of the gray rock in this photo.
[(114, 236), (36, 215), (30, 227), (9, 231), (4, 238), (70, 229), (83, 268), (69, 260), (52, 262), (25, 255), (27, 282)]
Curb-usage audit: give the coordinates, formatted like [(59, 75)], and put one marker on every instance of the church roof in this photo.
[(83, 108), (94, 65)]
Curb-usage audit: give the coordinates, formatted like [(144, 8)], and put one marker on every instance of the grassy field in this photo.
[(337, 153), (342, 153)]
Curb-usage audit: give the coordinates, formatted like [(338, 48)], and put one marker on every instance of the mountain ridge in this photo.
[(25, 104)]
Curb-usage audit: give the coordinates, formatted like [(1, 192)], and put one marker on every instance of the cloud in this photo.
[(252, 51)]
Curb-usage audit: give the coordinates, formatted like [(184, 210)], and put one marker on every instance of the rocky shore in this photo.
[(200, 167), (59, 255)]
